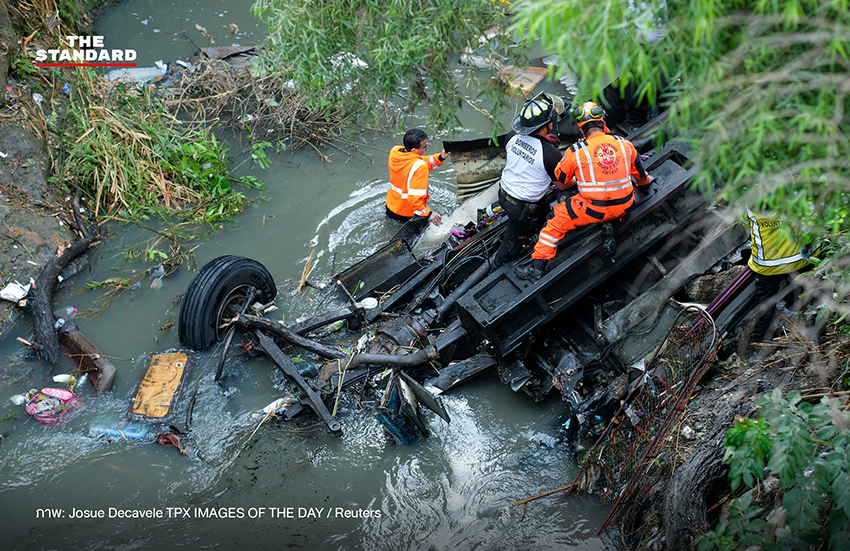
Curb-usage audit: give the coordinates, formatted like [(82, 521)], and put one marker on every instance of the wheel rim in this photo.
[(230, 306)]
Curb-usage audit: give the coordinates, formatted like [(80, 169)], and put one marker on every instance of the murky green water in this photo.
[(279, 485)]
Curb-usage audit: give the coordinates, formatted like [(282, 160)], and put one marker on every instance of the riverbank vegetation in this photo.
[(361, 56), (135, 161), (116, 143), (257, 102)]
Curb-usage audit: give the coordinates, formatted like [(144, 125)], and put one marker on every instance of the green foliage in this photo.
[(136, 161), (149, 254), (258, 154), (747, 449), (109, 283), (741, 530), (805, 446), (21, 66), (352, 55)]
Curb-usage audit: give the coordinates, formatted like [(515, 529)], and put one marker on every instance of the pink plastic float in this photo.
[(52, 405)]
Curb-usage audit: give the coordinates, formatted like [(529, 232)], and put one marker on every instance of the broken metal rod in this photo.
[(289, 369), (245, 304), (411, 360), (524, 501), (279, 330)]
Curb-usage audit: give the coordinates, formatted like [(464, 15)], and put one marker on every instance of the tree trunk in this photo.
[(685, 508), (46, 340)]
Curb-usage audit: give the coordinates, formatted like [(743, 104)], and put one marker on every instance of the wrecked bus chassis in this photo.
[(576, 330)]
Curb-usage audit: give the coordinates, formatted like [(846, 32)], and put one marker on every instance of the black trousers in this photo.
[(767, 295), (417, 222), (766, 287), (523, 221)]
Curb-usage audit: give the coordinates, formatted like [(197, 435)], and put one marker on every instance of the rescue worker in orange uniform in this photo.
[(602, 167), (408, 196)]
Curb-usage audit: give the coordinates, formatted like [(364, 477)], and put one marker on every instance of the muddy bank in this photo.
[(30, 231), (31, 207)]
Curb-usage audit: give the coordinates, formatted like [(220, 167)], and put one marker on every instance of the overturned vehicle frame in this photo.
[(574, 331)]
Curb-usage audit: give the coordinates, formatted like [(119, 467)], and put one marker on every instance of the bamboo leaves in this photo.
[(356, 53)]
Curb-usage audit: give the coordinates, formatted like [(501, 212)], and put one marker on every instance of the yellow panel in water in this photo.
[(156, 392), (522, 78)]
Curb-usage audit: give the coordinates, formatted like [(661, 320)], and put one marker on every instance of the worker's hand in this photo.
[(435, 218), (553, 139), (645, 188), (444, 155)]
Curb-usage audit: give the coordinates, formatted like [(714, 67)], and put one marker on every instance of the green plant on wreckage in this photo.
[(805, 446), (135, 161)]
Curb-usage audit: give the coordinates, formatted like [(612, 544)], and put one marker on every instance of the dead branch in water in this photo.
[(46, 340)]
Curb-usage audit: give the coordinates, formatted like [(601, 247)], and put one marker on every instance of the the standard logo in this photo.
[(85, 51)]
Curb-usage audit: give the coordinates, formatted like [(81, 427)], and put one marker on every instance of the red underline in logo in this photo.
[(85, 64)]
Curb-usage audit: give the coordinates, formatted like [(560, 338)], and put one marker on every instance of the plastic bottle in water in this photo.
[(66, 313)]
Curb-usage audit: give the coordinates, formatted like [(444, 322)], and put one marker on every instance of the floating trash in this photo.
[(277, 407), (368, 303), (51, 406), (65, 378), (21, 399), (129, 430)]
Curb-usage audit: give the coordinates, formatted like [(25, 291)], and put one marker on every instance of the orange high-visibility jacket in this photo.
[(603, 166), (408, 194)]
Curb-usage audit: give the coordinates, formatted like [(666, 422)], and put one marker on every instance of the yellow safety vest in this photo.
[(773, 252)]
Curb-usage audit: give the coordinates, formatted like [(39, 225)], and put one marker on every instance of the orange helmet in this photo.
[(588, 111)]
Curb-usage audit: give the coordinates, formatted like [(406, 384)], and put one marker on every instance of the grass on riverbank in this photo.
[(134, 161)]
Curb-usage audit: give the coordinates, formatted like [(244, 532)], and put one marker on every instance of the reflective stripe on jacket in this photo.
[(603, 166), (408, 193), (773, 252)]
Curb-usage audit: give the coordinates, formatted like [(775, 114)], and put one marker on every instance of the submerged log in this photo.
[(46, 340), (89, 359)]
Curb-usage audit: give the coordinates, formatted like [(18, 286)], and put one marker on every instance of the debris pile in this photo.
[(633, 440)]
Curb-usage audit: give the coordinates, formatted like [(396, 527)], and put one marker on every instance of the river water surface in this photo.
[(279, 484)]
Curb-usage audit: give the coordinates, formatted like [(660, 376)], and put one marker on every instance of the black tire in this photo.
[(216, 294)]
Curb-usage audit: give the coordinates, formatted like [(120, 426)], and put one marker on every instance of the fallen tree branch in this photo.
[(46, 340), (77, 216), (544, 494)]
